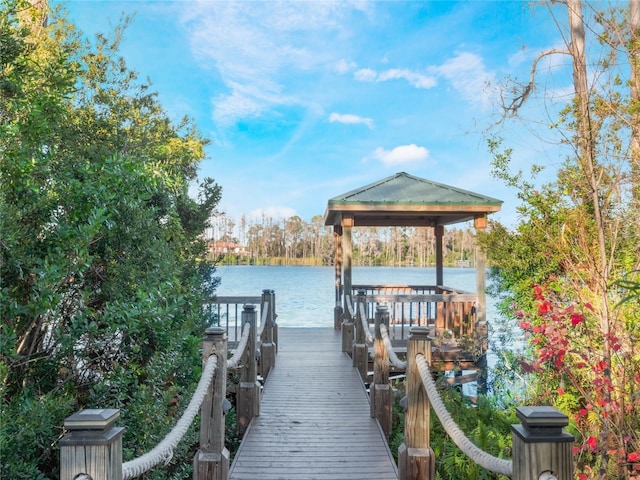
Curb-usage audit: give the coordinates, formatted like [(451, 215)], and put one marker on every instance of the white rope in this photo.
[(263, 318), (482, 458), (234, 361), (547, 476), (393, 358), (365, 323), (350, 306), (164, 450)]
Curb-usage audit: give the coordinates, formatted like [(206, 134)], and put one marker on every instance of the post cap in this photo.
[(542, 423), (382, 307), (215, 331), (92, 419), (419, 332), (249, 307)]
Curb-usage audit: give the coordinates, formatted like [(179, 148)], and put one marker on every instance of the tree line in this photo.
[(294, 241)]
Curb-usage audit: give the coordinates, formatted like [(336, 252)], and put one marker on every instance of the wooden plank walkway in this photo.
[(314, 418)]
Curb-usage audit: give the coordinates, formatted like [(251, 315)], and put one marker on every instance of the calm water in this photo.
[(305, 295)]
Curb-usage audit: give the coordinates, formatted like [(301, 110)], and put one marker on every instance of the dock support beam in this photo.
[(211, 462), (416, 460), (249, 388), (360, 355), (381, 393), (267, 344)]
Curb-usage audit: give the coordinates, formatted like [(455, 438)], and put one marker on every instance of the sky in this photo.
[(305, 100)]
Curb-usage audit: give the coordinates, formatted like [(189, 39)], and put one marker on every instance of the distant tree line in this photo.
[(295, 241)]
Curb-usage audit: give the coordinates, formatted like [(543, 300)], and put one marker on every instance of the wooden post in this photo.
[(92, 446), (439, 234), (337, 260), (347, 323), (480, 223), (249, 388), (381, 394), (211, 462), (415, 457), (267, 346), (274, 318), (541, 444), (360, 353)]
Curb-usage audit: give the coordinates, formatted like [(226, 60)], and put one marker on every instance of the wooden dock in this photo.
[(314, 418)]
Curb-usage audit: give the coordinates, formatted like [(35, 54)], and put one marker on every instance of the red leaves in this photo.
[(592, 442), (577, 319)]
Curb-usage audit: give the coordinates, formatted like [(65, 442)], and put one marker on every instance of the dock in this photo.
[(314, 420)]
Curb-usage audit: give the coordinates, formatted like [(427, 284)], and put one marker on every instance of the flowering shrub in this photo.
[(593, 375)]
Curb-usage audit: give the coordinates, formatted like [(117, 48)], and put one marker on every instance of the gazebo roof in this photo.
[(406, 200)]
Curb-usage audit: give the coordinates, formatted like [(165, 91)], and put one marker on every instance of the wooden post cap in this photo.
[(542, 424), (92, 419), (215, 332), (249, 307), (421, 333), (382, 308)]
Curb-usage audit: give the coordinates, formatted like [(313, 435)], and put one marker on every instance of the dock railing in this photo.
[(91, 448), (447, 311), (542, 449)]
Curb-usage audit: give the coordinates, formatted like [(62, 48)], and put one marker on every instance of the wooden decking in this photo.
[(314, 418)]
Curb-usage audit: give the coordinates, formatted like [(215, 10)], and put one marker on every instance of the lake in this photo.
[(305, 295)]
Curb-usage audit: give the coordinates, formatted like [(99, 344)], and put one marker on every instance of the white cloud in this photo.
[(350, 119), (469, 76), (401, 155), (343, 66), (255, 48), (418, 80)]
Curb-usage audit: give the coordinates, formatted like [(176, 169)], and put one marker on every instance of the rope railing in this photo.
[(393, 358), (234, 361), (365, 323), (263, 318), (92, 445), (482, 458), (351, 306), (163, 452)]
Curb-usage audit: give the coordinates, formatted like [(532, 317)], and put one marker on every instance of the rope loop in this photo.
[(365, 323), (393, 358), (482, 458), (263, 318), (234, 361)]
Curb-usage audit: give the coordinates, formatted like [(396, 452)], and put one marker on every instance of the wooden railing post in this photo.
[(541, 444), (249, 388), (92, 446), (415, 457), (381, 394), (360, 355), (211, 462), (274, 318), (348, 325), (267, 346)]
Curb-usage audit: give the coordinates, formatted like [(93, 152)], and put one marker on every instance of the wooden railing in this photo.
[(448, 312), (91, 448), (542, 449)]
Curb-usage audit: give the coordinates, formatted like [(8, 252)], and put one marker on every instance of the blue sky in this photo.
[(305, 100)]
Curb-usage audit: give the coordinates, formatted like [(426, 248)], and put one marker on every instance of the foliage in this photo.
[(576, 247), (487, 425), (100, 285)]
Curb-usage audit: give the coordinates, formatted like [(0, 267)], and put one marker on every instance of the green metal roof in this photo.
[(404, 199)]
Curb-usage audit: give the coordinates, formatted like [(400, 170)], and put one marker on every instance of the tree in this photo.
[(101, 290), (561, 272)]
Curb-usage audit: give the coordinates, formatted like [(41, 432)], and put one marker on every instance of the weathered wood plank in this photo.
[(314, 418)]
